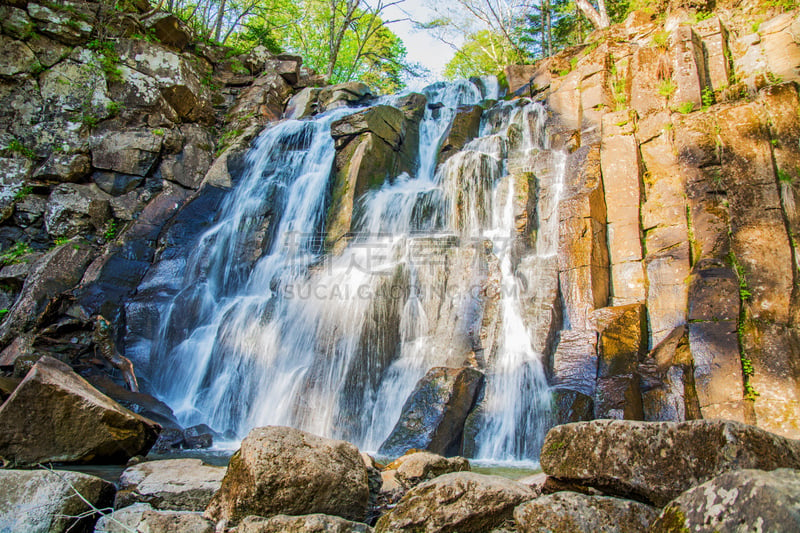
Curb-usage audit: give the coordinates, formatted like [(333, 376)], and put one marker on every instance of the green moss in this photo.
[(18, 148), (673, 520), (666, 87), (14, 253)]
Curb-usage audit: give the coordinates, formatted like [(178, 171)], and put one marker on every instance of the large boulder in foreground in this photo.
[(657, 461), (461, 501), (280, 470), (571, 512), (433, 416), (44, 501), (142, 517), (745, 500), (174, 484), (312, 523), (54, 415)]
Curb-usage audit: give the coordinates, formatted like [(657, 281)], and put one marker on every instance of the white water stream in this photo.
[(335, 345)]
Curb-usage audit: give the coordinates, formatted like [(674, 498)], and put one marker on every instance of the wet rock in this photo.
[(75, 210), (416, 468), (570, 512), (142, 517), (464, 128), (198, 437), (460, 501), (139, 402), (303, 104), (746, 500), (433, 416), (656, 461), (53, 417), (173, 484), (54, 273), (328, 476), (169, 440), (312, 523), (344, 95), (45, 501), (385, 121)]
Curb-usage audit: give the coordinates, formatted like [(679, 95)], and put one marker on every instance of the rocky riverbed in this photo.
[(610, 476)]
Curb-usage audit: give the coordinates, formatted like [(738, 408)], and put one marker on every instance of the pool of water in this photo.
[(222, 455)]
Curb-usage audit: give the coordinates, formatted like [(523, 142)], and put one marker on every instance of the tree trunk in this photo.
[(599, 19), (218, 24)]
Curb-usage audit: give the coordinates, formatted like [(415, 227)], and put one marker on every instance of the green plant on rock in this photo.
[(108, 58), (773, 78), (700, 16), (661, 39), (18, 148), (226, 139), (23, 193), (113, 108), (707, 97), (14, 253), (667, 87), (111, 230), (786, 182), (685, 107)]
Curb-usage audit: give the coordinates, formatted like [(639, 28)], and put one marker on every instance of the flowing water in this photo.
[(267, 329)]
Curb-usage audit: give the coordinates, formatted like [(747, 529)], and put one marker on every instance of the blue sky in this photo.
[(422, 47)]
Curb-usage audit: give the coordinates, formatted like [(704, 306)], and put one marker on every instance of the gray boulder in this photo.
[(416, 468), (312, 523), (54, 415), (742, 501), (142, 517), (46, 501), (75, 210), (571, 512), (461, 501), (175, 484), (657, 461), (327, 476)]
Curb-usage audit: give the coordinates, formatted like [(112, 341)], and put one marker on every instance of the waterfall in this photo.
[(268, 329)]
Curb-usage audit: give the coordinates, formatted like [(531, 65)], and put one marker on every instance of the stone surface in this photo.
[(142, 517), (460, 501), (419, 467), (313, 523), (54, 415), (746, 500), (433, 416), (656, 461), (51, 275), (45, 501), (128, 152), (328, 477), (173, 484), (571, 512), (76, 210)]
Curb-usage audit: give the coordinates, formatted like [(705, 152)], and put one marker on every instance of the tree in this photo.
[(346, 44), (597, 16), (483, 53)]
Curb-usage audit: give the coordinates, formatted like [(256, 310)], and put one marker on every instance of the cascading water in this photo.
[(335, 345)]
